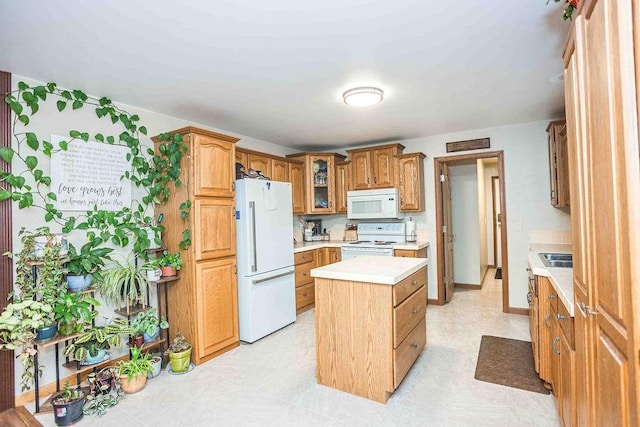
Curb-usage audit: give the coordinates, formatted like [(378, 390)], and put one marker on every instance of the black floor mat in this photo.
[(499, 273)]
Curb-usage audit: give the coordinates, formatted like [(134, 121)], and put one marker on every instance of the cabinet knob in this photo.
[(414, 311), (414, 282), (304, 295), (414, 345)]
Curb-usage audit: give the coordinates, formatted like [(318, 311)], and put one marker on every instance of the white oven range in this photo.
[(375, 238)]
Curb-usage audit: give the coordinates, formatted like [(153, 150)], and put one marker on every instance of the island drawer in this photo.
[(302, 257), (409, 285), (305, 295), (408, 351), (408, 314), (303, 273)]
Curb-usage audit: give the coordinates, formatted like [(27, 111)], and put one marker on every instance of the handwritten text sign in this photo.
[(88, 174)]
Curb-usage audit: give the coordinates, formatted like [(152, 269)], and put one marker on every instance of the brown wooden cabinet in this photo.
[(305, 290), (203, 301), (320, 181), (548, 304), (342, 186), (374, 167), (410, 253), (296, 178), (601, 86), (411, 181), (261, 163), (558, 163), (279, 170), (369, 335)]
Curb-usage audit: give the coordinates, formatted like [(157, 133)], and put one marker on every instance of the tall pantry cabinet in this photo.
[(204, 302), (601, 89)]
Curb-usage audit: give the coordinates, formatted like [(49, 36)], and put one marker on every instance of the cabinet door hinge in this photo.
[(444, 228), (443, 178)]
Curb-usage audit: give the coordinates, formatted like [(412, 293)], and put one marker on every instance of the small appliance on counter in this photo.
[(410, 231)]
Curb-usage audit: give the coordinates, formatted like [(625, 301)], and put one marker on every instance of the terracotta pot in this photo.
[(168, 271), (133, 384)]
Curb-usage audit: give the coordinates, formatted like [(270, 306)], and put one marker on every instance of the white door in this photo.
[(497, 221)]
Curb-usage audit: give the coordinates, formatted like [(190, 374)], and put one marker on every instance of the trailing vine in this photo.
[(152, 171)]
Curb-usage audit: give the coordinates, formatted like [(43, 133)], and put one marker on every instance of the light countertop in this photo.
[(308, 246), (561, 278), (371, 269)]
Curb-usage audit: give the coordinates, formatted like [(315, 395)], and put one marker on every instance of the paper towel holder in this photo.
[(410, 231)]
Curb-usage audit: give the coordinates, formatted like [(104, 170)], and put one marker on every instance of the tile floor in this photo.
[(272, 382)]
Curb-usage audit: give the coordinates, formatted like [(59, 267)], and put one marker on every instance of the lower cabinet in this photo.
[(556, 349), (410, 253), (216, 308), (305, 289)]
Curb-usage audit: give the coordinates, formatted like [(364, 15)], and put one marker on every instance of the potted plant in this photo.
[(124, 284), (83, 265), (133, 372), (169, 263), (149, 324), (156, 361), (179, 354), (74, 312), (102, 381), (67, 405), (91, 346)]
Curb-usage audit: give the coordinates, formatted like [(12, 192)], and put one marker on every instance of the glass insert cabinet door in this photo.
[(321, 183)]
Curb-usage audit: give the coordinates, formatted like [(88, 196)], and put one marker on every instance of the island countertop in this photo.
[(371, 269)]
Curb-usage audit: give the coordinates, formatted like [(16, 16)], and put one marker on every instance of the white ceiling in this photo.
[(275, 70)]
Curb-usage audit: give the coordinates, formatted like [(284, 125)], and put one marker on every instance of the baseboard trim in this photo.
[(516, 310), (433, 302), (467, 286)]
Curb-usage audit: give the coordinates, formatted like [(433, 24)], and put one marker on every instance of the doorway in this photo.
[(444, 236), (497, 224)]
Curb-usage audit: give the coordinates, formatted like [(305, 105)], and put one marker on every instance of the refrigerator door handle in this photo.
[(254, 255), (286, 273)]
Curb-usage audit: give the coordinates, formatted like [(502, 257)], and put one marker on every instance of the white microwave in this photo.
[(373, 204)]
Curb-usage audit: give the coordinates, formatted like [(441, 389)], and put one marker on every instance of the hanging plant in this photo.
[(153, 172), (568, 10)]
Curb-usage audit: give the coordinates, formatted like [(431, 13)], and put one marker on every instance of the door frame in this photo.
[(495, 221), (503, 210)]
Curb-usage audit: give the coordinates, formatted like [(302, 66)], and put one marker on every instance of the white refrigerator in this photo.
[(266, 281)]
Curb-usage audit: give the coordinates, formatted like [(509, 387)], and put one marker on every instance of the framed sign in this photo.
[(89, 174), (470, 144)]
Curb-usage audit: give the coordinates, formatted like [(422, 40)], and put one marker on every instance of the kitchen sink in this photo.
[(557, 260)]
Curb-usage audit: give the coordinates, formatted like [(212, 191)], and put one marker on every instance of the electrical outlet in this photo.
[(518, 226)]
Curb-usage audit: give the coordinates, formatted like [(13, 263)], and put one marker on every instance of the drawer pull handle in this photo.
[(530, 299), (414, 282), (414, 345), (553, 345), (414, 311), (551, 296), (546, 323)]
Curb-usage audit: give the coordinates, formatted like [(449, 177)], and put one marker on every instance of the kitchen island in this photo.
[(370, 323)]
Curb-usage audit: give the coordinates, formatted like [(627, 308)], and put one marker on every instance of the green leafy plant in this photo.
[(97, 338), (68, 394), (148, 322), (90, 259), (568, 10), (153, 171), (18, 323), (169, 259), (178, 345), (124, 283), (74, 312), (139, 364)]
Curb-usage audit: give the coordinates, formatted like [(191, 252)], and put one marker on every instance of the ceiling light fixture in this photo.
[(362, 96)]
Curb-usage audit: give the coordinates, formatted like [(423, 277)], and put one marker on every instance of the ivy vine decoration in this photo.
[(151, 171), (568, 10)]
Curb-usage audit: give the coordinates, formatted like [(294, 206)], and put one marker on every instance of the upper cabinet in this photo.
[(213, 161), (320, 181), (296, 178), (260, 163), (279, 170), (411, 182), (373, 167), (342, 186), (274, 167), (558, 163)]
